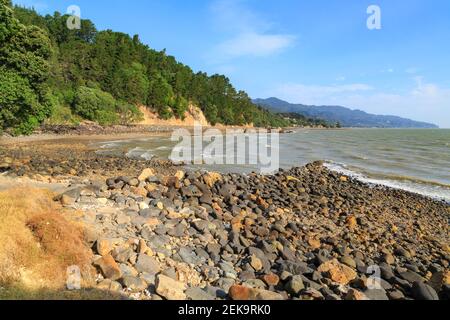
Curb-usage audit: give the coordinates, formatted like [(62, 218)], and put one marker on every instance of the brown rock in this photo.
[(352, 223), (67, 200), (109, 267), (146, 173), (144, 249), (338, 272), (271, 279), (354, 294), (211, 178), (236, 224), (170, 288), (104, 247), (180, 175), (262, 203), (388, 258), (172, 182), (151, 187), (239, 293), (139, 191), (256, 263), (109, 285), (314, 243), (153, 222)]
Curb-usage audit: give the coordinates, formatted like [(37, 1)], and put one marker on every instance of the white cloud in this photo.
[(250, 35), (254, 44), (423, 101)]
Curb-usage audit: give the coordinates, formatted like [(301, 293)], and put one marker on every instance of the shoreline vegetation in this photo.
[(53, 75), (158, 231)]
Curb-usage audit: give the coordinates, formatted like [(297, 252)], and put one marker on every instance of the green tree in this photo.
[(45, 53), (24, 54), (159, 95), (180, 107), (132, 84)]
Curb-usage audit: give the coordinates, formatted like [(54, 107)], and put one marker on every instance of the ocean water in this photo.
[(417, 160)]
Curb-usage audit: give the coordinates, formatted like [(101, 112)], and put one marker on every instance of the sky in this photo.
[(318, 52)]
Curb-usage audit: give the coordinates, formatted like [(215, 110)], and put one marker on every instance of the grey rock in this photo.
[(134, 284), (396, 295), (178, 231), (147, 264), (198, 294), (412, 277), (187, 255), (295, 285), (150, 213), (225, 284), (422, 291), (127, 270), (216, 292), (376, 294), (255, 283)]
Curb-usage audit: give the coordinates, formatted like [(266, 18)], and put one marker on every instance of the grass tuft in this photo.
[(37, 245)]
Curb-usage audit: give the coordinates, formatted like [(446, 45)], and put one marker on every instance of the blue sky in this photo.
[(312, 52)]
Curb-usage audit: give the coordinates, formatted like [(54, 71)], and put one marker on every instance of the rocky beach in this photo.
[(158, 231)]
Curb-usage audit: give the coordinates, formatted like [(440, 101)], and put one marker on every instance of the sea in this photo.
[(415, 160)]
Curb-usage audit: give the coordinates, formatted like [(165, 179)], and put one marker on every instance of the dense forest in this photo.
[(53, 74)]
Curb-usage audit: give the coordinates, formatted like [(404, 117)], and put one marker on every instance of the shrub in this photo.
[(95, 105)]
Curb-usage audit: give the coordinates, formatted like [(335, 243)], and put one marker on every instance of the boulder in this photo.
[(134, 284), (338, 272), (422, 291), (147, 264), (169, 288), (109, 268)]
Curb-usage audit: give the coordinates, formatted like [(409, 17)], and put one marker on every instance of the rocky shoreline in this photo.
[(303, 234)]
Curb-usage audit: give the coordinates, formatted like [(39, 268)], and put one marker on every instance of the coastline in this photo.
[(307, 233)]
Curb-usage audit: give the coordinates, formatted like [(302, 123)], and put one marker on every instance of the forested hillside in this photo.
[(340, 115), (50, 73)]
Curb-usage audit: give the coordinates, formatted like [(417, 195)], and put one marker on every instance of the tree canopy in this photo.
[(24, 71), (46, 66)]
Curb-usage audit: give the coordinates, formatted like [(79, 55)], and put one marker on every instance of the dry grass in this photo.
[(22, 293), (37, 244)]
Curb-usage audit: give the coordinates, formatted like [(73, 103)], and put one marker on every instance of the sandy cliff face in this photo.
[(194, 114)]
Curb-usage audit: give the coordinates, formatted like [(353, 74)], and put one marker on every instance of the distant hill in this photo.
[(345, 116)]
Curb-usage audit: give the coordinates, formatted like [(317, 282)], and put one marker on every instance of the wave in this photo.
[(430, 189), (138, 152)]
